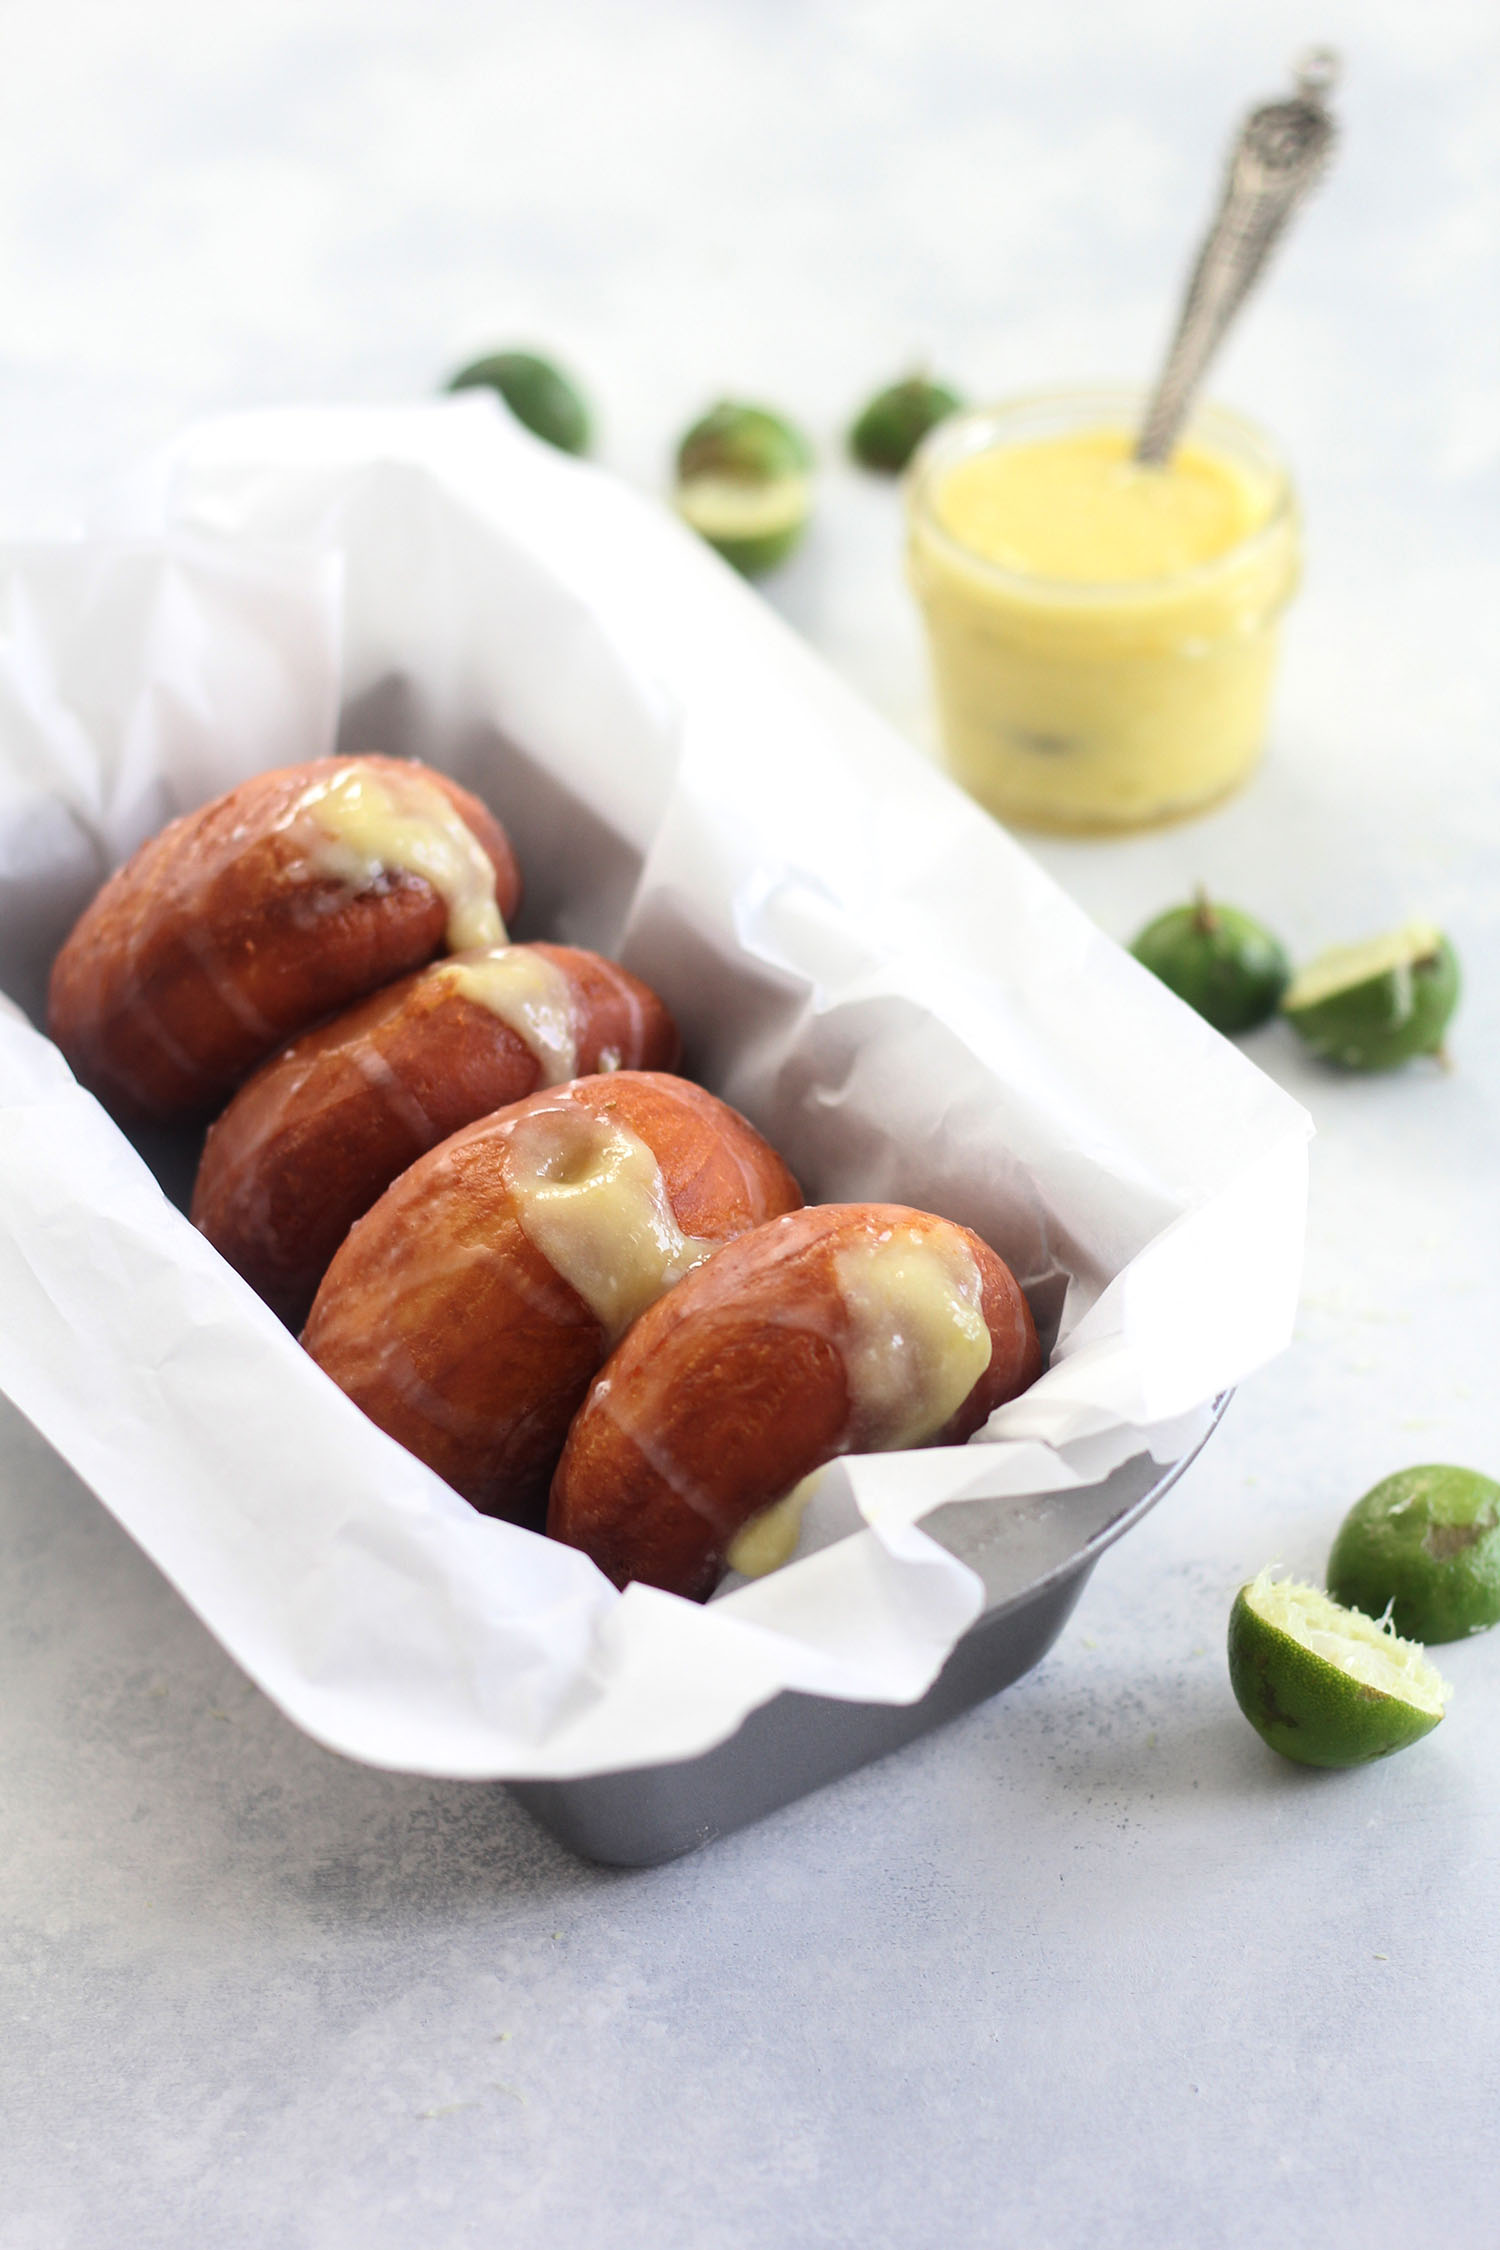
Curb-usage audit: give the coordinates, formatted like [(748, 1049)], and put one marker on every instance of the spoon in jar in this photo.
[(1282, 150)]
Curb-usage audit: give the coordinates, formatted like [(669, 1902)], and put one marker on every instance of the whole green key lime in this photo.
[(1424, 1545), (1375, 1005), (892, 425), (744, 484), (1228, 967), (537, 393), (1324, 1685)]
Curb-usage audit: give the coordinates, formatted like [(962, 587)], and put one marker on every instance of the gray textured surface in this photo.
[(1090, 1966)]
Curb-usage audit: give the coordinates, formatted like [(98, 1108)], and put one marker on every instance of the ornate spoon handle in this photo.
[(1282, 149)]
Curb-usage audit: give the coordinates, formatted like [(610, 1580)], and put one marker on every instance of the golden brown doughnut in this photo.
[(320, 1131), (468, 1310), (254, 917), (845, 1328)]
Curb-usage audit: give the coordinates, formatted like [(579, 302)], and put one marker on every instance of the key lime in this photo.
[(893, 424), (1424, 1544), (1326, 1685), (744, 484), (1218, 960), (1375, 1005), (537, 393)]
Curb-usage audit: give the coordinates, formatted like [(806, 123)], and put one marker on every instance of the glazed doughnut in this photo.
[(247, 921), (469, 1310), (320, 1131), (845, 1328)]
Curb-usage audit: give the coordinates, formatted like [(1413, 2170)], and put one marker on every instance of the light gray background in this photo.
[(1092, 1966)]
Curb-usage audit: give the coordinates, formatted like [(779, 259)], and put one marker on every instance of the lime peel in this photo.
[(1424, 1543), (1221, 962), (894, 422), (542, 398)]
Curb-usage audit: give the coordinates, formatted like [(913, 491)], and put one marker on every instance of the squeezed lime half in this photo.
[(1423, 1545), (1221, 962), (1376, 1005), (1323, 1684)]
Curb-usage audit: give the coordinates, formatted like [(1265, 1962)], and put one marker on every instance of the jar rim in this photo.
[(972, 430)]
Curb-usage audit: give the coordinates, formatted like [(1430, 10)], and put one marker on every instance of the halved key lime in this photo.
[(1425, 1545), (1220, 961), (1375, 1005), (744, 484), (1325, 1685)]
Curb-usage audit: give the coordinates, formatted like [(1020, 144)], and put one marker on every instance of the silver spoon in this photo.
[(1282, 150)]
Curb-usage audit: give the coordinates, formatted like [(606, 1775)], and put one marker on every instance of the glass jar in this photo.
[(1096, 703)]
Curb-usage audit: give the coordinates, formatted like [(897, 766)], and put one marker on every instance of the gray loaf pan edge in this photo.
[(1034, 1561)]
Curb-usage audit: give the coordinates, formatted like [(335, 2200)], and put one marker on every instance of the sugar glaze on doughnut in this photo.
[(321, 1130)]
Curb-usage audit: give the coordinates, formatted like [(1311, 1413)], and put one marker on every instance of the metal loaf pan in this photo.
[(1034, 1564)]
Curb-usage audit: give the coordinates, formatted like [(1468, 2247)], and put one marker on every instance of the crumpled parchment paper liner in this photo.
[(860, 960)]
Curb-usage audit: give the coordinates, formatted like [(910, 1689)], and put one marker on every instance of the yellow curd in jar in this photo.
[(1102, 634)]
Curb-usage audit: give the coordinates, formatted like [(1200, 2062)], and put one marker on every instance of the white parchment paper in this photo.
[(860, 960)]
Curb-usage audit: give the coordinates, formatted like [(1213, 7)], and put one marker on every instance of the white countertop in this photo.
[(1091, 1966)]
